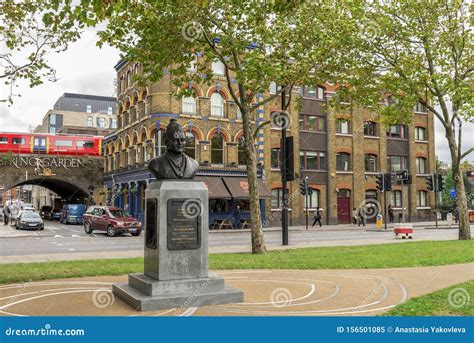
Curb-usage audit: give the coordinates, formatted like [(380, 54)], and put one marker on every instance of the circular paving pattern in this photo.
[(267, 292)]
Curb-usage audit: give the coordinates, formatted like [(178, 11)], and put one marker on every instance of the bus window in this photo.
[(63, 143), (18, 141), (85, 144), (3, 140)]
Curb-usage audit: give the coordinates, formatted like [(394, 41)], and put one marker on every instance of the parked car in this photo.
[(56, 214), (72, 213), (45, 212), (29, 220), (113, 220)]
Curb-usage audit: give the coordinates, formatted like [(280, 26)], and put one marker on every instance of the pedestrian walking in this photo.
[(237, 217), (354, 216), (6, 215), (361, 215), (390, 213), (317, 217)]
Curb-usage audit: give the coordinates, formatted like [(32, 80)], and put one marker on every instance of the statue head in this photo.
[(175, 139)]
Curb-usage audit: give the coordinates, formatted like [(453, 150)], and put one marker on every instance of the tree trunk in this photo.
[(258, 244), (464, 227)]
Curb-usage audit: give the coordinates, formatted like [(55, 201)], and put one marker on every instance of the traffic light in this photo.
[(310, 191), (429, 183), (388, 182), (380, 182), (303, 187), (440, 182)]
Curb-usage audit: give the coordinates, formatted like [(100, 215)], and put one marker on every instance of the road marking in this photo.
[(75, 236), (71, 249), (58, 236)]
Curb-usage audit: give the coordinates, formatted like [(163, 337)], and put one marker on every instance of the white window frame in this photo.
[(188, 102), (89, 108), (217, 108), (218, 68)]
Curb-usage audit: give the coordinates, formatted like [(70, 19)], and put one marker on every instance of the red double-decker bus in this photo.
[(38, 143)]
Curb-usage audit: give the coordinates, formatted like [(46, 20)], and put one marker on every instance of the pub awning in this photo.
[(216, 187), (239, 187)]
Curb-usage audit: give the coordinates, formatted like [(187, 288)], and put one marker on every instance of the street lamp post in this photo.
[(284, 193)]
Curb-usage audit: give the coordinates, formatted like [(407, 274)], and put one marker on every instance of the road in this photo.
[(60, 241)]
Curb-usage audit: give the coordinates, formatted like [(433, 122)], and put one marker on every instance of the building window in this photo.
[(320, 93), (189, 105), (101, 122), (217, 149), (396, 163), (52, 119), (277, 199), (89, 108), (218, 68), (242, 155), (397, 131), (109, 110), (421, 165), (90, 121), (217, 105), (312, 160), (314, 199), (312, 123), (190, 146), (275, 158), (420, 107), (343, 126), (113, 123), (160, 147), (343, 161), (422, 199), (309, 91), (52, 130), (273, 87), (239, 113), (371, 163), (370, 129), (193, 63), (420, 133), (396, 198)]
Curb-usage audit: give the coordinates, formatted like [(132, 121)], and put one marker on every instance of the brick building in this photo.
[(340, 150)]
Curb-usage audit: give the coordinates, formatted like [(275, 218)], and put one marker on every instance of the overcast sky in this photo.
[(84, 68)]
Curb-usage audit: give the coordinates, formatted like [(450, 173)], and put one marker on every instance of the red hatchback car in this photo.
[(113, 220)]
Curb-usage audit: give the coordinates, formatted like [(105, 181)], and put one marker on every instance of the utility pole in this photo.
[(284, 193)]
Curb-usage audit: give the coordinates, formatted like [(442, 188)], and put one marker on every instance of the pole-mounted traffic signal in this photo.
[(304, 187), (440, 183), (380, 182), (388, 182), (429, 183)]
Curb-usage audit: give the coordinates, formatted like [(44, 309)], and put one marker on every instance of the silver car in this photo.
[(29, 221)]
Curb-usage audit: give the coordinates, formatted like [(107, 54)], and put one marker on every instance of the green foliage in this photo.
[(427, 253), (438, 303)]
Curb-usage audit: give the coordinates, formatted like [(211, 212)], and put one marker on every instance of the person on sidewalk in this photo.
[(361, 215), (6, 215), (354, 216), (237, 217), (390, 213), (317, 217)]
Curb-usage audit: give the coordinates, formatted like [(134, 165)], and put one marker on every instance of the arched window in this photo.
[(371, 163), (241, 152), (217, 149), (343, 161), (189, 105), (217, 105), (190, 147), (218, 68), (160, 146)]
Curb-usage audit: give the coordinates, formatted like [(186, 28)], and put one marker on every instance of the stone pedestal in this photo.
[(176, 252)]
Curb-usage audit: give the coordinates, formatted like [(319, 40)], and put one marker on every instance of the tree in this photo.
[(27, 35), (258, 43), (416, 52)]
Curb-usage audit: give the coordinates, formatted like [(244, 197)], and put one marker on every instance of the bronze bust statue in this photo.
[(174, 163)]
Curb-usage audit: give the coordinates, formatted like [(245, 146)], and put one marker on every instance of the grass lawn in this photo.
[(407, 254), (437, 303)]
